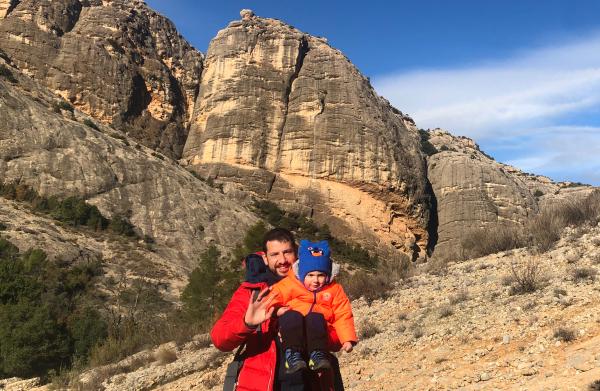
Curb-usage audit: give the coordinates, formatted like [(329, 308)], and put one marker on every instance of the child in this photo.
[(313, 306)]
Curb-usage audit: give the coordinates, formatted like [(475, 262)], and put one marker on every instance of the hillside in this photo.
[(463, 328), (104, 105)]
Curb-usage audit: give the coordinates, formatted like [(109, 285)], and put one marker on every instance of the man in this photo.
[(248, 320)]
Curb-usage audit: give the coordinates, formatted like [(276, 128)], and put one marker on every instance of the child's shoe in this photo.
[(318, 361), (293, 361)]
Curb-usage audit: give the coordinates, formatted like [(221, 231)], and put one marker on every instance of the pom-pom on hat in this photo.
[(313, 256)]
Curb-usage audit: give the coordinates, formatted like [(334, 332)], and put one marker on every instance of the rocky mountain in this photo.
[(285, 116), (104, 100), (59, 152), (475, 192), (273, 113), (117, 61)]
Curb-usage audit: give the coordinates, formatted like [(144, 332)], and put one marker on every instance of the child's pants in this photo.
[(301, 332)]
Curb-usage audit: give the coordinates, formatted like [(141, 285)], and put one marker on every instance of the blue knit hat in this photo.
[(313, 256)]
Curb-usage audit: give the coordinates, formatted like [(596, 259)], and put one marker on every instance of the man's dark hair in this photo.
[(280, 235)]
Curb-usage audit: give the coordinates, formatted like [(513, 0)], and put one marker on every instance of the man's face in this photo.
[(279, 257)]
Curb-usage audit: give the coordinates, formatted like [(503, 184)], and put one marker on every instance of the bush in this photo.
[(43, 322), (564, 334), (373, 285), (165, 356), (526, 278), (541, 231), (73, 211), (306, 228), (62, 105), (120, 225), (427, 148), (418, 331), (459, 297), (445, 311), (584, 273), (368, 330), (594, 386), (545, 228), (6, 73), (480, 242), (209, 288), (91, 124)]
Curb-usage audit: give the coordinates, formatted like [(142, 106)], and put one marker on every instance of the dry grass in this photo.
[(418, 331), (584, 273), (594, 386), (445, 311), (540, 233), (459, 297), (564, 334), (527, 277), (368, 329), (483, 241), (165, 356), (378, 284)]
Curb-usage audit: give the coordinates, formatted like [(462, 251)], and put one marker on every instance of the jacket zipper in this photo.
[(314, 302)]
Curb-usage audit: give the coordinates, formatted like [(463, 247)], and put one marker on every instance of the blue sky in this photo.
[(520, 77)]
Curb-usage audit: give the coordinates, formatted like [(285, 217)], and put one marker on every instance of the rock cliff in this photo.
[(118, 61), (474, 191), (287, 117), (59, 153)]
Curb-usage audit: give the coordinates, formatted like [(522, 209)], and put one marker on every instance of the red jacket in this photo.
[(258, 371), (230, 331)]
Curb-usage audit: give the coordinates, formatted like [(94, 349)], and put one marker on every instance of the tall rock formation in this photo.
[(286, 116), (473, 191), (118, 61), (60, 154)]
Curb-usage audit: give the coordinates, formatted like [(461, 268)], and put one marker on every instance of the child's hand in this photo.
[(282, 310), (347, 347)]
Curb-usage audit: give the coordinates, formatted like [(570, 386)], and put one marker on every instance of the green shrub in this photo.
[(91, 124), (120, 225), (426, 146), (43, 325), (307, 229), (6, 73), (209, 288), (62, 105)]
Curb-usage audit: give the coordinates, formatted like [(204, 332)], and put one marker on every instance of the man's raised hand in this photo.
[(259, 310)]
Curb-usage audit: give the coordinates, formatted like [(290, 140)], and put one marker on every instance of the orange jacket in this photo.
[(331, 301)]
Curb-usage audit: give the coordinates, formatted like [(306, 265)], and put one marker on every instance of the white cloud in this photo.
[(480, 100), (561, 152), (515, 103)]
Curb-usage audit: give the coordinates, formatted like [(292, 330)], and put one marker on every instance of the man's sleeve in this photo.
[(344, 319), (230, 330)]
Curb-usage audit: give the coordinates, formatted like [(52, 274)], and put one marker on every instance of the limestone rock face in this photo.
[(285, 115), (118, 61), (474, 191), (55, 154)]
